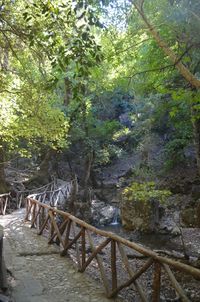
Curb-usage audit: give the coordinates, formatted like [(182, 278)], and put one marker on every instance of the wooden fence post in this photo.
[(156, 282), (3, 277), (113, 265)]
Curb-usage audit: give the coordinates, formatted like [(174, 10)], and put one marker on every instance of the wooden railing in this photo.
[(47, 193), (42, 193), (4, 202), (69, 232), (3, 273)]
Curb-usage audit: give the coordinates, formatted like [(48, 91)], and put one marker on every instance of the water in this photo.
[(150, 240), (114, 228), (153, 240), (116, 218)]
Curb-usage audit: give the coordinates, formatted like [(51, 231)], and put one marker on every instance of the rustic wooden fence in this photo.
[(69, 232), (5, 199), (42, 191), (3, 273), (4, 202), (47, 193), (51, 195)]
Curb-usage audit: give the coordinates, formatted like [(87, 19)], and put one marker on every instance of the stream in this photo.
[(153, 241)]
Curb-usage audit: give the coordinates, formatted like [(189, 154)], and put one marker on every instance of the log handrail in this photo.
[(112, 242), (47, 192)]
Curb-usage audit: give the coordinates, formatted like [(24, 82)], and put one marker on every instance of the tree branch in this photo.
[(163, 67), (195, 15), (10, 92), (141, 5), (133, 45), (152, 70)]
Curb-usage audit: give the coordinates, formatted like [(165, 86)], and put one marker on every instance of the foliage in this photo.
[(144, 192), (144, 173), (174, 152), (43, 43), (70, 70)]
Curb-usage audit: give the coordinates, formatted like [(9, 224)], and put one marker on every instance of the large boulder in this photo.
[(141, 206), (139, 215), (191, 216)]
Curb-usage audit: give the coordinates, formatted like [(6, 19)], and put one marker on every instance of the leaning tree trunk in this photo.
[(3, 185), (184, 71)]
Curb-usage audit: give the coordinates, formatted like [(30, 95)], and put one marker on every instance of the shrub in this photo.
[(144, 192), (174, 152)]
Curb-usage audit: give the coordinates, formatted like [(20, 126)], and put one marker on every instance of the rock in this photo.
[(168, 224), (108, 191), (161, 218), (176, 231), (196, 191), (104, 214), (139, 215), (4, 298), (161, 211), (165, 229), (180, 180), (191, 216)]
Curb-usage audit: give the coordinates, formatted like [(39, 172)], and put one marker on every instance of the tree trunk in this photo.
[(70, 204), (184, 71), (93, 179), (3, 185), (44, 175), (88, 167)]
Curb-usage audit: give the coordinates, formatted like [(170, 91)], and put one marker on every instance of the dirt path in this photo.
[(39, 273)]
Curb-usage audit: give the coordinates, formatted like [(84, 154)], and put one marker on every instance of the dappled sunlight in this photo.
[(100, 127)]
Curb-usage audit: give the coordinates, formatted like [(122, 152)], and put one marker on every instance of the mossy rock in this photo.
[(137, 215), (140, 206)]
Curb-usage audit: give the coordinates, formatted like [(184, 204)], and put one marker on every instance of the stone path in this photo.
[(39, 273)]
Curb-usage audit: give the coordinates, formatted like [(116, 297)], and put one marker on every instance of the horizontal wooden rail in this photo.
[(68, 230)]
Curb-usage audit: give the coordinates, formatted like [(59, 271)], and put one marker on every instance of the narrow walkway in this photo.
[(40, 274)]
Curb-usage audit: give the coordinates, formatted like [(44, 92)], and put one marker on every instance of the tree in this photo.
[(189, 40), (48, 50), (176, 61)]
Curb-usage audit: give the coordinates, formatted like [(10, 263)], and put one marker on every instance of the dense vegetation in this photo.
[(106, 76)]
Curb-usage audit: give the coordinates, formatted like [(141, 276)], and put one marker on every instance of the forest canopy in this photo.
[(103, 73)]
